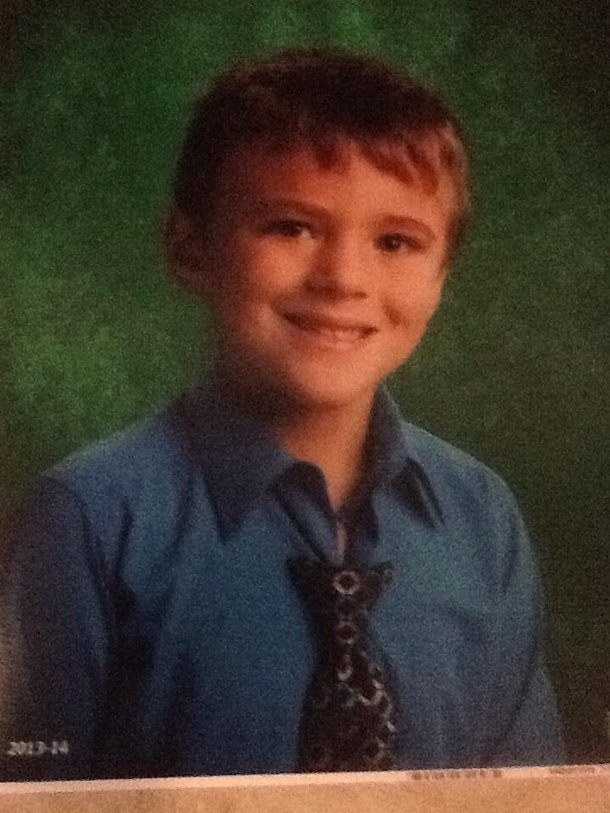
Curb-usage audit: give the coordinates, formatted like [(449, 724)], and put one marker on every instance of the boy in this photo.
[(278, 573)]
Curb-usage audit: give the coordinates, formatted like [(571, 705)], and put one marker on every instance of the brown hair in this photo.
[(320, 97)]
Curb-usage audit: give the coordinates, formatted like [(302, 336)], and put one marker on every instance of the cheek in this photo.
[(412, 308), (259, 271), (236, 282)]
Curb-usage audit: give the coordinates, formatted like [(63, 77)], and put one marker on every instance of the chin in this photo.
[(306, 387), (326, 395)]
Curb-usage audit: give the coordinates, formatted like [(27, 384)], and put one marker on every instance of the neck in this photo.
[(333, 438)]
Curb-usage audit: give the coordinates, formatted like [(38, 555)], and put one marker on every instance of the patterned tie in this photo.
[(349, 716)]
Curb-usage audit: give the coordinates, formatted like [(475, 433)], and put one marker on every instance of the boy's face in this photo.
[(320, 281)]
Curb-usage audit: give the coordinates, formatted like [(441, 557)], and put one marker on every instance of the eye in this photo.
[(397, 243), (287, 227)]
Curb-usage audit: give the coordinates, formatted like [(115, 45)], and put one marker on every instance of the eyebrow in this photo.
[(384, 220), (271, 205), (392, 221)]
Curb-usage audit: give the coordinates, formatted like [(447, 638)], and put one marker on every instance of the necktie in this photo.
[(349, 715)]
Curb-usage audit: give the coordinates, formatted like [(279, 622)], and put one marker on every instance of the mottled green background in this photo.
[(94, 96)]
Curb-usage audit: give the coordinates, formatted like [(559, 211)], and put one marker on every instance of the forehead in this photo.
[(346, 172)]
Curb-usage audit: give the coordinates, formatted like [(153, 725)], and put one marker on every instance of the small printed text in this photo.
[(38, 748)]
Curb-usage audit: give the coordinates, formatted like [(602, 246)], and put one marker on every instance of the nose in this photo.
[(339, 269)]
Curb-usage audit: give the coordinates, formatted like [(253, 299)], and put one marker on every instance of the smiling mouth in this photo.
[(330, 330)]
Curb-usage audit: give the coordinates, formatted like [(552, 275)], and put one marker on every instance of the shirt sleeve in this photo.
[(523, 725), (55, 639)]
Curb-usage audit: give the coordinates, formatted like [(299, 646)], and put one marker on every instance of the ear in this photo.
[(186, 252)]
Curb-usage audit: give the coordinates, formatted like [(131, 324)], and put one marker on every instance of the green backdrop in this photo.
[(94, 97)]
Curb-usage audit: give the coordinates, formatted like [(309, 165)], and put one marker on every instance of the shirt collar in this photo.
[(396, 459), (241, 461)]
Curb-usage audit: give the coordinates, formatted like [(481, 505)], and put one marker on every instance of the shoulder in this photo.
[(141, 471), (479, 516), (149, 451), (454, 474)]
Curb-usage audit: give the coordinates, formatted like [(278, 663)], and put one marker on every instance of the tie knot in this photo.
[(332, 591)]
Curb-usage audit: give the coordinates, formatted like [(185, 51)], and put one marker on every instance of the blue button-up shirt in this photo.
[(150, 626)]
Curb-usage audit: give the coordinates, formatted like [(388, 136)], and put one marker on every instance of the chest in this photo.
[(216, 648)]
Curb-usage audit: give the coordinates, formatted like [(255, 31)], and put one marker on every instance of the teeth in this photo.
[(334, 334), (337, 334)]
